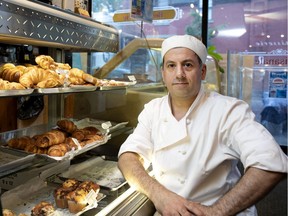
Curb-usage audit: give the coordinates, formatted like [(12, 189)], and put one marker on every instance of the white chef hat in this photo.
[(186, 41)]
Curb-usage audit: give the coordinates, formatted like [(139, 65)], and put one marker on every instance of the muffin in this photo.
[(60, 194), (77, 199)]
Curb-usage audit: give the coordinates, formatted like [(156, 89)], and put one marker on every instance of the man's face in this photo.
[(182, 73)]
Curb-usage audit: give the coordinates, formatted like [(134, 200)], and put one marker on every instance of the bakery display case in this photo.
[(28, 29)]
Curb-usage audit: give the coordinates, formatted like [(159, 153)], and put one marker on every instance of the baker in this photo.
[(194, 140)]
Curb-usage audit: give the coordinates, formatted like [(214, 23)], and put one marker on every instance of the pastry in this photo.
[(46, 62), (51, 138), (43, 209), (60, 196), (66, 125), (6, 85), (21, 142), (77, 200), (70, 184), (8, 212), (58, 150), (39, 77), (70, 141)]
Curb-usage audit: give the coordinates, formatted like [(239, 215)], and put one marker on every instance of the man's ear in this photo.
[(203, 71)]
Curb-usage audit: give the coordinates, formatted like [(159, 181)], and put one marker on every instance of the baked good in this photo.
[(79, 77), (39, 77), (8, 212), (63, 66), (46, 62), (79, 134), (21, 142), (58, 150), (11, 72), (89, 185), (90, 138), (91, 130), (77, 200), (43, 209), (50, 138), (6, 85), (70, 141), (66, 125), (70, 184), (60, 196)]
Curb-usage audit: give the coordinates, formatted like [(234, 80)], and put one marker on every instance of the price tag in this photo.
[(91, 197), (132, 78)]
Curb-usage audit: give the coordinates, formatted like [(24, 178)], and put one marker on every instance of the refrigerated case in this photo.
[(32, 23), (260, 79)]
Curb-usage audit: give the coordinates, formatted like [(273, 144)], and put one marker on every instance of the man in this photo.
[(194, 140)]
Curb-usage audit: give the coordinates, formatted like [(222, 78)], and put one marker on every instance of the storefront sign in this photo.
[(158, 14), (276, 57), (142, 10), (278, 84)]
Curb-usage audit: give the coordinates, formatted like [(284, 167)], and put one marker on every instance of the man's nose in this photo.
[(180, 72)]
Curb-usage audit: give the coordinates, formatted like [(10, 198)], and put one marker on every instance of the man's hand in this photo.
[(168, 203)]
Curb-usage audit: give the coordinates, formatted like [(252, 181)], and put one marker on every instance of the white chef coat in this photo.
[(197, 156)]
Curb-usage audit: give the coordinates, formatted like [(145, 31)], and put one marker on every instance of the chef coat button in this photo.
[(188, 121), (161, 173), (184, 152), (182, 181)]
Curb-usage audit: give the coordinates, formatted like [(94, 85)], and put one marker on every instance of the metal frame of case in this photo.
[(35, 23)]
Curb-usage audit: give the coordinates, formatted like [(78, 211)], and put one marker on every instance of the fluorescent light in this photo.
[(238, 32)]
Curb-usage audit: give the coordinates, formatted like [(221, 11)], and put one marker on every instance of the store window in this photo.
[(233, 25), (250, 35)]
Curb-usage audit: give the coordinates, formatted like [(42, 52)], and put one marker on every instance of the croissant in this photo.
[(63, 66), (78, 77), (13, 74), (46, 62), (66, 125), (91, 130), (35, 149), (35, 76), (78, 134), (69, 141), (51, 138), (49, 83), (90, 138), (6, 85), (5, 66), (21, 142), (58, 150)]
